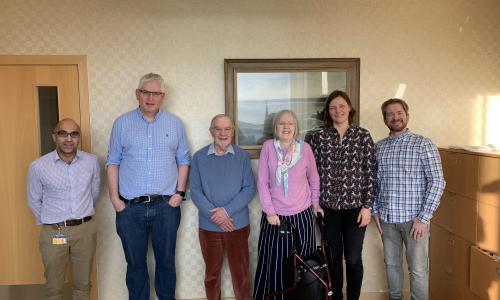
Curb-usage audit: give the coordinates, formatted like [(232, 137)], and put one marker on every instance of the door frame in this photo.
[(81, 63)]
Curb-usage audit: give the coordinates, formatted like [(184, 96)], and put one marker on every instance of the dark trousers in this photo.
[(345, 238), (213, 245), (134, 225)]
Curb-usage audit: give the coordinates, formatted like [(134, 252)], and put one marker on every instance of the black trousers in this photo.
[(345, 239)]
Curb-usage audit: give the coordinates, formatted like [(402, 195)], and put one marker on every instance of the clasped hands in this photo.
[(274, 219), (222, 219)]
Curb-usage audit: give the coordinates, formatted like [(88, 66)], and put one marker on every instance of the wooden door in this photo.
[(21, 80)]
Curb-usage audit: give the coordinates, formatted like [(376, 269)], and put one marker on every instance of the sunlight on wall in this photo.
[(476, 114), (401, 91), (493, 120)]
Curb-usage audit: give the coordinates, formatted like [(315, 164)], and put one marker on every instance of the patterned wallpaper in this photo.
[(445, 52)]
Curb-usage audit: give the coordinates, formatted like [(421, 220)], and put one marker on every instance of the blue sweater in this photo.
[(222, 181)]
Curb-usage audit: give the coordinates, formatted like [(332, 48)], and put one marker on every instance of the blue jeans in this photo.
[(134, 224), (417, 257)]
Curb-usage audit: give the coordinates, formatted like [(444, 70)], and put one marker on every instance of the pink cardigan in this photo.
[(303, 182)]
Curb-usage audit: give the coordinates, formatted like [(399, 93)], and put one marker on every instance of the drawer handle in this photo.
[(451, 242)]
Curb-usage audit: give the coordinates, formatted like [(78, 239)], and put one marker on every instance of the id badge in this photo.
[(59, 239)]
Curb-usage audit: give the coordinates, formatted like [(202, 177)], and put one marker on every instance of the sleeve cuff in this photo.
[(424, 220)]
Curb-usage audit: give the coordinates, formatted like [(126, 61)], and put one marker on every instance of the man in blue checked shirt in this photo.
[(63, 186), (411, 182), (147, 169)]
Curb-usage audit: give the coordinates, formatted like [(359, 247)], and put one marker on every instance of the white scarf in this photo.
[(287, 161)]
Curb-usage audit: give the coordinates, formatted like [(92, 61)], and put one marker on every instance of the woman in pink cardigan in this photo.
[(288, 184)]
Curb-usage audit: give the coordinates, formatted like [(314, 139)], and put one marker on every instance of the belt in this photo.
[(144, 199), (73, 222)]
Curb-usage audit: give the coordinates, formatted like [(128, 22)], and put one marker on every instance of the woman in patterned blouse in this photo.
[(345, 157)]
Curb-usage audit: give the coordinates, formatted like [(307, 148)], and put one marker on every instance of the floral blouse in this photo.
[(347, 170)]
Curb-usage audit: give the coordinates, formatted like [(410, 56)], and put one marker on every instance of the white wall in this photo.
[(446, 52)]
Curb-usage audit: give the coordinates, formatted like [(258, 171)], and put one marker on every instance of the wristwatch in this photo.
[(182, 194)]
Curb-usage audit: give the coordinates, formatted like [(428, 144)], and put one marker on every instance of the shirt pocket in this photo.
[(166, 142)]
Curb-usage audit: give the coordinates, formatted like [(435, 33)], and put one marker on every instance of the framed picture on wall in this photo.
[(256, 89)]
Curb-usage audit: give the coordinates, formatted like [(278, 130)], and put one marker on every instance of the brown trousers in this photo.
[(213, 245), (80, 247)]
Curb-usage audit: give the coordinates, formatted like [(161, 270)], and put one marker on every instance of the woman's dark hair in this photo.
[(327, 119)]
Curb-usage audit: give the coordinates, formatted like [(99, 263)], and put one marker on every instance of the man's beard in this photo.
[(397, 126)]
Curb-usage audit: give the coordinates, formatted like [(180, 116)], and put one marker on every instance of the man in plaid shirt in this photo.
[(411, 182)]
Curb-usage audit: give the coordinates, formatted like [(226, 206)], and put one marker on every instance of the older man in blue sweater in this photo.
[(222, 185)]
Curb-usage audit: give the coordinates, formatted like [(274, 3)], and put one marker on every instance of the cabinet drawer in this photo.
[(449, 265), (489, 180), (484, 274), (488, 227), (457, 214), (460, 172)]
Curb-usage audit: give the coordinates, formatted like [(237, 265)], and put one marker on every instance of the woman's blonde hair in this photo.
[(278, 117)]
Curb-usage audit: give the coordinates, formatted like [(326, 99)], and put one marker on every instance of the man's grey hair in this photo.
[(212, 123), (150, 77)]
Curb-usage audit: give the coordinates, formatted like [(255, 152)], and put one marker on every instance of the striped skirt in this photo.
[(274, 270)]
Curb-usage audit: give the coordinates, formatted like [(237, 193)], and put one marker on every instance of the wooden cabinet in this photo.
[(488, 224), (488, 209), (467, 218), (489, 180), (449, 277), (484, 274), (457, 214), (461, 173)]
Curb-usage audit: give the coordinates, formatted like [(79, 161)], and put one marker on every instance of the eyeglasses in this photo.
[(222, 130), (63, 134), (146, 93), (289, 124)]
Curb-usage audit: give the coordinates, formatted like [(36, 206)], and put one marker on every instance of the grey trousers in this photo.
[(417, 257)]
